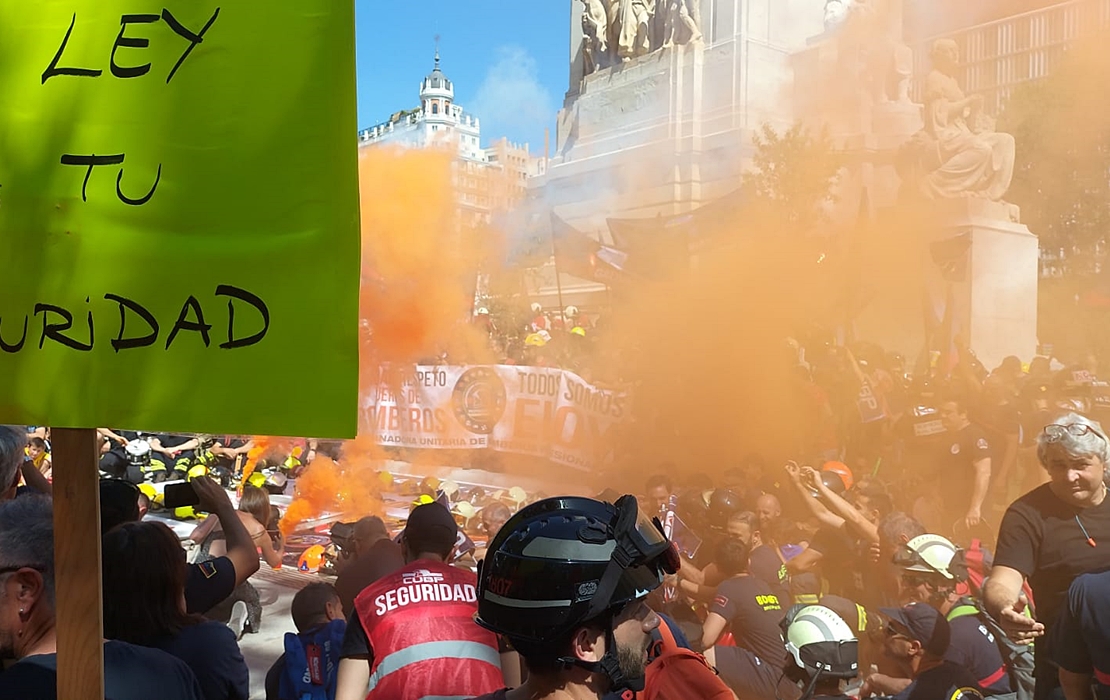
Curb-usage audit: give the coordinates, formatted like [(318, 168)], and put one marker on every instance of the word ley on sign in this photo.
[(133, 42)]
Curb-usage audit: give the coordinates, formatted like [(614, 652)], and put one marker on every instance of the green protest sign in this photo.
[(179, 216)]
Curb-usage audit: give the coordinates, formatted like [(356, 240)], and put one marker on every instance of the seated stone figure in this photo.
[(958, 153)]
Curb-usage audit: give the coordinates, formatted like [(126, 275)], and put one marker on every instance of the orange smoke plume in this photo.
[(351, 490), (420, 262)]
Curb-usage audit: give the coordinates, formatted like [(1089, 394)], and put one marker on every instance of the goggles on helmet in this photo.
[(640, 541)]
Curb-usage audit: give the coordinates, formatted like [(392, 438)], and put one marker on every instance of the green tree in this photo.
[(1062, 170), (791, 177)]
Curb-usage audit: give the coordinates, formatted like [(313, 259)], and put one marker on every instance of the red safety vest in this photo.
[(420, 625)]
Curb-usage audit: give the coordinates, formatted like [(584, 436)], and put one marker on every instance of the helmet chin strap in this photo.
[(608, 666)]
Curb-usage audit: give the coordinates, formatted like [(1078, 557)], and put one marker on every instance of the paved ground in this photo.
[(277, 589)]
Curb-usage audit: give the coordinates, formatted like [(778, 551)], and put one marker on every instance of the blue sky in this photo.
[(507, 58)]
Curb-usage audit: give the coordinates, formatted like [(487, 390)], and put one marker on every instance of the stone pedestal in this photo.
[(997, 302), (972, 253)]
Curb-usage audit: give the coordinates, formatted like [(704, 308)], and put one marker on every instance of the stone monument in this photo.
[(941, 164)]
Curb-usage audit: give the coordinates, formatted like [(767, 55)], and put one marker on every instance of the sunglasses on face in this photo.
[(892, 633), (914, 581)]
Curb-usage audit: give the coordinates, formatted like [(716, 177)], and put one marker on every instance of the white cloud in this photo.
[(511, 101)]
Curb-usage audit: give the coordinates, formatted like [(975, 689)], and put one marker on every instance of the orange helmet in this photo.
[(841, 469), (311, 559)]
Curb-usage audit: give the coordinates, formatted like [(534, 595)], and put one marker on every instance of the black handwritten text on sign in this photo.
[(123, 40)]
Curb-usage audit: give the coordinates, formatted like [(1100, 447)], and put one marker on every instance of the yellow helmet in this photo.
[(184, 513), (199, 470), (257, 479), (578, 330), (386, 478), (423, 500), (148, 490)]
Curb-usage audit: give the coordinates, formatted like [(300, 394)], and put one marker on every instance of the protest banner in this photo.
[(537, 411), (179, 216)]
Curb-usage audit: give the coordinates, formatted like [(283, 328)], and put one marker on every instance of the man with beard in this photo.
[(565, 582)]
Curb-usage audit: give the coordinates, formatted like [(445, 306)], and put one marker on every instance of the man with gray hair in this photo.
[(28, 627), (1052, 535), (13, 444)]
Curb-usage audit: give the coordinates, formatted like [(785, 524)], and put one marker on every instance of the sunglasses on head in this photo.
[(1056, 432)]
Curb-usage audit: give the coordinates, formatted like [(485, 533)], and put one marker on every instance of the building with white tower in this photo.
[(486, 179)]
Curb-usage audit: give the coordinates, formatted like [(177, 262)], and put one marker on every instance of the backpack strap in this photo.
[(962, 611), (669, 642)]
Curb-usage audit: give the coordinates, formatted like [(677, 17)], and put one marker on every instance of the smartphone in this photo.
[(180, 495)]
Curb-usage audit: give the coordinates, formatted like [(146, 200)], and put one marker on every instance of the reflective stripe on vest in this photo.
[(962, 611), (993, 678), (474, 651)]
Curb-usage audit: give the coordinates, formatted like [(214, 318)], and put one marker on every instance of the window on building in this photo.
[(435, 108)]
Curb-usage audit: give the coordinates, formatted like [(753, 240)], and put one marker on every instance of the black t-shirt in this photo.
[(944, 682), (211, 651), (973, 646), (840, 562), (754, 612), (383, 558), (1080, 639), (208, 584), (1040, 538), (273, 680), (130, 673), (766, 566), (962, 450), (999, 422), (356, 645)]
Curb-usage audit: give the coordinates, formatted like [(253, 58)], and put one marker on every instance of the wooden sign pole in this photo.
[(80, 615)]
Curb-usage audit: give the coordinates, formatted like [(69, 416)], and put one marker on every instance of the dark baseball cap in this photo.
[(925, 624), (430, 524)]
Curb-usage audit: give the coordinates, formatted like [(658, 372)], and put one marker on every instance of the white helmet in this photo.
[(821, 642), (571, 311), (536, 307), (929, 554)]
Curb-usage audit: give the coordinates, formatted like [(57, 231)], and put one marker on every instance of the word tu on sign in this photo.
[(57, 324), (131, 42), (123, 40)]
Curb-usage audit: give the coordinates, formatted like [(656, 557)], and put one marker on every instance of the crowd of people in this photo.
[(932, 538)]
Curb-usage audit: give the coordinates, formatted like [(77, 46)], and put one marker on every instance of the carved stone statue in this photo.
[(595, 35), (836, 13), (634, 24), (958, 153), (686, 13)]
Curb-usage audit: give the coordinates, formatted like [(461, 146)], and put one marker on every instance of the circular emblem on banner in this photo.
[(981, 444), (956, 448), (479, 399)]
